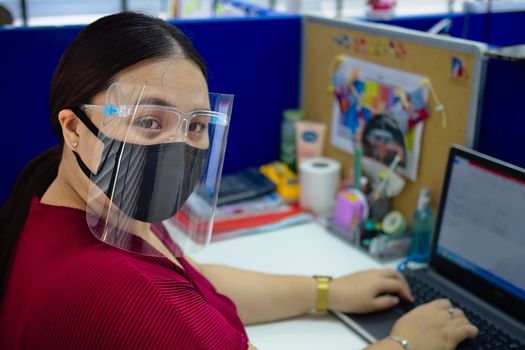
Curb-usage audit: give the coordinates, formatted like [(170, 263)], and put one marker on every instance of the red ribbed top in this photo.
[(68, 290)]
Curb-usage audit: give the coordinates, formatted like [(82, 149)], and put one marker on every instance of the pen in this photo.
[(384, 180)]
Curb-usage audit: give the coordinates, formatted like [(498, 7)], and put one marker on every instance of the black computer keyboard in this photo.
[(489, 336)]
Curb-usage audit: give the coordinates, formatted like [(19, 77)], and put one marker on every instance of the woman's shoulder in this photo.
[(92, 295), (103, 275), (126, 301)]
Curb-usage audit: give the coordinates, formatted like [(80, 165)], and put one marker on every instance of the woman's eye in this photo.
[(148, 123), (197, 128)]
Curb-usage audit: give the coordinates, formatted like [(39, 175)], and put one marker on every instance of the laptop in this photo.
[(478, 254)]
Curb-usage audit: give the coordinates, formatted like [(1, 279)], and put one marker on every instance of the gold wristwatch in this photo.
[(321, 303)]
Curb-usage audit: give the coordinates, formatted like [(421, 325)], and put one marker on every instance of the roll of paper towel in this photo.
[(319, 178)]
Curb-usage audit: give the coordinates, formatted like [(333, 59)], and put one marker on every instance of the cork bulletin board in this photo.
[(434, 57)]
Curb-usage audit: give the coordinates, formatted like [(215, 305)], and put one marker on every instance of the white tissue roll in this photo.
[(319, 179)]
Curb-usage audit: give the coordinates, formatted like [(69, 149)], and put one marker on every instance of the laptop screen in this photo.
[(483, 224)]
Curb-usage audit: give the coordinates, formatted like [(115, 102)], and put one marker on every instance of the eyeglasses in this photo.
[(148, 124)]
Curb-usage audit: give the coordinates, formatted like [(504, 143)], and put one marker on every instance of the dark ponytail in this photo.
[(87, 67)]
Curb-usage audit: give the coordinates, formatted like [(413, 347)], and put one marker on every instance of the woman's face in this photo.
[(158, 113), (171, 73), (157, 102)]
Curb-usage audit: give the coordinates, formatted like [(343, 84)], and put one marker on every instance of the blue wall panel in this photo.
[(257, 59), (502, 124), (27, 62)]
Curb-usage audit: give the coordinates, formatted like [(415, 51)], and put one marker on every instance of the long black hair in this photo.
[(87, 67)]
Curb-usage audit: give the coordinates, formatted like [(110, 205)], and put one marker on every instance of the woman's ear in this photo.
[(69, 123)]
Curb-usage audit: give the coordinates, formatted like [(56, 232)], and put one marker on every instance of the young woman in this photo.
[(95, 231)]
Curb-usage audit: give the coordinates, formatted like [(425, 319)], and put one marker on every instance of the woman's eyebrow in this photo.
[(156, 101)]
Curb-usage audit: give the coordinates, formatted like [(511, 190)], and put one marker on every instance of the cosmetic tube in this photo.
[(309, 139)]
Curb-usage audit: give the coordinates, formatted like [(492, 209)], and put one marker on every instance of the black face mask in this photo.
[(153, 181)]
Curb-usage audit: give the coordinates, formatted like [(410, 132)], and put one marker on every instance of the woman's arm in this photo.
[(261, 297)]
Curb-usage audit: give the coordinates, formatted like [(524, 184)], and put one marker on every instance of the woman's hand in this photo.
[(433, 327), (368, 291)]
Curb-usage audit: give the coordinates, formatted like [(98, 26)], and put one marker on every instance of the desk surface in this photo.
[(305, 250)]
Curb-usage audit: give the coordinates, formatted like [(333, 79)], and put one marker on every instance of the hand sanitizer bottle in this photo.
[(422, 222)]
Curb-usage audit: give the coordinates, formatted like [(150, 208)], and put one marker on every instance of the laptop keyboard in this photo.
[(489, 336)]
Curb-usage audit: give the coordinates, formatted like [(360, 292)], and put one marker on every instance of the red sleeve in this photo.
[(126, 304)]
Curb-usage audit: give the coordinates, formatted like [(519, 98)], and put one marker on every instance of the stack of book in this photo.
[(259, 214), (263, 213), (247, 203)]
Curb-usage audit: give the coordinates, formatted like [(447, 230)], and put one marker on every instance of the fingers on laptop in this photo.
[(463, 331), (460, 325), (384, 302), (444, 304), (392, 285), (405, 288), (460, 329), (458, 313)]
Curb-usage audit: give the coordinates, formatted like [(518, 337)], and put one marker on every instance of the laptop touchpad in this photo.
[(378, 325)]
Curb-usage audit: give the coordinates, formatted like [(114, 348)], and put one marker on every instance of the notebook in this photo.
[(477, 257)]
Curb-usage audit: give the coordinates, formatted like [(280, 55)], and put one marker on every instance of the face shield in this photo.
[(155, 170)]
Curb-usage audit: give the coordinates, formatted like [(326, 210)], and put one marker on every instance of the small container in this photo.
[(388, 247), (379, 207), (288, 143), (421, 228), (309, 138)]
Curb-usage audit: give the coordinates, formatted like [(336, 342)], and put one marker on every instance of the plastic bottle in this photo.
[(422, 222), (288, 145)]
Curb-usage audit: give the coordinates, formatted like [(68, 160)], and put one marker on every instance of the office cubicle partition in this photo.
[(502, 118), (450, 70), (257, 59), (501, 112)]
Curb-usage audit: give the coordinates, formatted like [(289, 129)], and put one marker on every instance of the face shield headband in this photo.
[(155, 170)]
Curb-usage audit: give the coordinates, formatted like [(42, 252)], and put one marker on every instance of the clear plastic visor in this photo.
[(155, 167)]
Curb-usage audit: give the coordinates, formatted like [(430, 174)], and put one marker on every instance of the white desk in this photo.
[(305, 249)]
